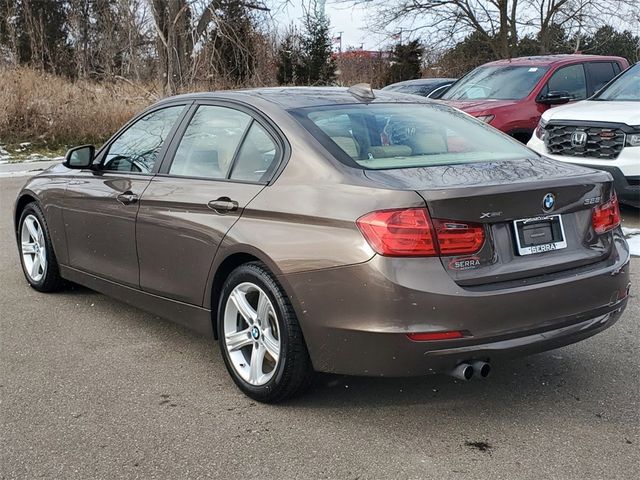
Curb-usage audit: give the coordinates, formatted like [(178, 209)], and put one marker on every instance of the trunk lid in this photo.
[(496, 195)]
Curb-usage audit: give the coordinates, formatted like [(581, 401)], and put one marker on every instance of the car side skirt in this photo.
[(191, 316)]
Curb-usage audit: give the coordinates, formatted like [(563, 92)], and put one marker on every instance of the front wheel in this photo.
[(259, 335), (36, 251)]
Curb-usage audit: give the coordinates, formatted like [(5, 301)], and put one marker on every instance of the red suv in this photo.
[(511, 95)]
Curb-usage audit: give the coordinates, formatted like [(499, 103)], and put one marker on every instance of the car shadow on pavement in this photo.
[(560, 374)]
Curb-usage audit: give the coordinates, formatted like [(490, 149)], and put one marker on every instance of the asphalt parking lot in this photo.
[(93, 388)]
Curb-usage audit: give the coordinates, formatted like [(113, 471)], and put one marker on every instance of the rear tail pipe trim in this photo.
[(481, 369), (466, 371)]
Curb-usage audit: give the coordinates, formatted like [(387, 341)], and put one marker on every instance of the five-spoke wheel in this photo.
[(34, 252), (251, 333), (259, 335)]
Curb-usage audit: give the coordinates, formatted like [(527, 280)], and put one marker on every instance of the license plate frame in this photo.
[(555, 225)]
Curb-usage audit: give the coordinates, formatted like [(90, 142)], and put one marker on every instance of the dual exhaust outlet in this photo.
[(466, 371)]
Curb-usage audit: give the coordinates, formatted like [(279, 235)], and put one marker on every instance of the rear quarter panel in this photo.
[(306, 219)]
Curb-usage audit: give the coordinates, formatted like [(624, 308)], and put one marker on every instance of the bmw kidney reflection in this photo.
[(326, 229)]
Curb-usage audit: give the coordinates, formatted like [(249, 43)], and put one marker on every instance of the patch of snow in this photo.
[(25, 144), (4, 155), (633, 239), (634, 245)]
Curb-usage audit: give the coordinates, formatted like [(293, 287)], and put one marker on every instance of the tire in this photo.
[(46, 277), (273, 322)]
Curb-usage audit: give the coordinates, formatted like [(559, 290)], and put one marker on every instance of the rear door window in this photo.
[(256, 156), (210, 142), (570, 79), (599, 74)]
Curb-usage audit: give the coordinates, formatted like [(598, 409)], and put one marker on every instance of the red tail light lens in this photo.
[(399, 233), (410, 232), (606, 217), (456, 238)]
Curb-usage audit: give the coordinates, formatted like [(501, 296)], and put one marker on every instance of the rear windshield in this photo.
[(496, 83), (385, 136)]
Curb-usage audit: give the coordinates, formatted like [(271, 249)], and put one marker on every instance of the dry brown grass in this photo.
[(50, 110)]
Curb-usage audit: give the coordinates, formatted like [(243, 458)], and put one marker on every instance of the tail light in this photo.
[(606, 217), (457, 238), (399, 233), (410, 232)]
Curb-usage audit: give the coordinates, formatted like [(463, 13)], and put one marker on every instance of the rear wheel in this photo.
[(259, 335), (37, 257)]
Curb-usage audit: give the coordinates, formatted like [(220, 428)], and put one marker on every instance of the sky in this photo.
[(350, 20)]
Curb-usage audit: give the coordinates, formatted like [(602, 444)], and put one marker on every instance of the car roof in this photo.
[(422, 81), (549, 60), (299, 97)]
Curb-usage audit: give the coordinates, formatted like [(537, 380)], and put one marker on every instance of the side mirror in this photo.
[(80, 157), (556, 98)]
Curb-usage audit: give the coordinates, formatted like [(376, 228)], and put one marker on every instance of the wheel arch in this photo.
[(23, 200), (224, 265)]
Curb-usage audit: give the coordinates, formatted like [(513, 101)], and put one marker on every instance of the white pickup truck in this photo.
[(602, 132)]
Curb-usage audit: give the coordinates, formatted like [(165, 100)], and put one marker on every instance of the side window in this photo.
[(616, 68), (599, 73), (569, 79), (136, 149), (210, 142), (256, 155)]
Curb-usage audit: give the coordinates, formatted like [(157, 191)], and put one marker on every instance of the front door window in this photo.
[(136, 149)]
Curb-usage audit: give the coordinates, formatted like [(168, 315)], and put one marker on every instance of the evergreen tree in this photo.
[(319, 65), (608, 41), (406, 62), (289, 58)]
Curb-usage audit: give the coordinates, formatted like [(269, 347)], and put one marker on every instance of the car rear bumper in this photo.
[(356, 319)]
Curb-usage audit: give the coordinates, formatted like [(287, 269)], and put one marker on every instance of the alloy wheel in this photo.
[(33, 248), (251, 334)]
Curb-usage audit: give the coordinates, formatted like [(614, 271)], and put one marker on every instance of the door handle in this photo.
[(127, 198), (223, 204)]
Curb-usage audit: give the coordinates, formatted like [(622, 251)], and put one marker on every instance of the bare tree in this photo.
[(179, 26), (498, 23)]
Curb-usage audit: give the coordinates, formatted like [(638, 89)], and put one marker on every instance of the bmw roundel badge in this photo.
[(549, 201)]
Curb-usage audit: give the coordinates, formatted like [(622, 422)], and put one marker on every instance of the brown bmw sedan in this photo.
[(348, 231)]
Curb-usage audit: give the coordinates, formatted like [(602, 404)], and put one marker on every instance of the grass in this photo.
[(53, 112)]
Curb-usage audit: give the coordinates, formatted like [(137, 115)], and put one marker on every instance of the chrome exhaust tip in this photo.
[(482, 369), (464, 371)]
